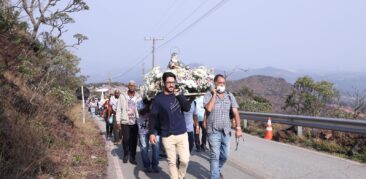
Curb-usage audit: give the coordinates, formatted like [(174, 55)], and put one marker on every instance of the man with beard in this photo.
[(167, 116)]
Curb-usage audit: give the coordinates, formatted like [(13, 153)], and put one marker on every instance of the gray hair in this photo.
[(131, 82)]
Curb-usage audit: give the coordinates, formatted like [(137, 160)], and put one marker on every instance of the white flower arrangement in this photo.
[(191, 81)]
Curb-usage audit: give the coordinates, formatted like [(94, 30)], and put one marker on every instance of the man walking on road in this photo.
[(190, 117), (198, 125), (116, 130), (144, 107), (167, 116), (127, 115), (218, 104)]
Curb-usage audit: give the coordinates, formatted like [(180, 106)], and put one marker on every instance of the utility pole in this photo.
[(109, 80), (83, 103), (143, 70), (153, 49)]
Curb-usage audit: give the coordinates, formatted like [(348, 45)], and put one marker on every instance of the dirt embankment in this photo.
[(41, 138)]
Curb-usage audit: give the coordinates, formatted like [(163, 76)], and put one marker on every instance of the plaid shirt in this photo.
[(219, 118)]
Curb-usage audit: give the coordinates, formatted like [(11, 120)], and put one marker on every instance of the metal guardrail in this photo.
[(337, 124)]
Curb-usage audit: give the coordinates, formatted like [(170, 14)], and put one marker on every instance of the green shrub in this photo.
[(66, 96)]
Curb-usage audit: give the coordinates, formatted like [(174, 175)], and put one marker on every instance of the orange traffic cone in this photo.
[(269, 134)]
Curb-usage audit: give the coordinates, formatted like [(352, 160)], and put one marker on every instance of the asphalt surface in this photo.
[(255, 158)]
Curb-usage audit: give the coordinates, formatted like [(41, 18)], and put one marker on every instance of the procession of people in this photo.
[(173, 123)]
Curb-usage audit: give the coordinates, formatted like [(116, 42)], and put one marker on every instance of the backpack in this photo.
[(231, 114)]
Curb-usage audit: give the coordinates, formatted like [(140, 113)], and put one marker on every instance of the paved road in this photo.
[(255, 158)]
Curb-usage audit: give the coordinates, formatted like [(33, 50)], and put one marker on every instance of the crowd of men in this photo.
[(171, 125)]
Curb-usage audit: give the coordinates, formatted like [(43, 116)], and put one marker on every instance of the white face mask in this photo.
[(220, 89)]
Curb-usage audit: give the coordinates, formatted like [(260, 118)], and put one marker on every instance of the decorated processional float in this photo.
[(191, 81)]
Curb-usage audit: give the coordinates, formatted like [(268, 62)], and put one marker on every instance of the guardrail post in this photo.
[(299, 130), (245, 123)]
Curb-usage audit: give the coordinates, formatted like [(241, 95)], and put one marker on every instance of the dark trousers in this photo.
[(129, 140), (190, 140), (108, 128), (116, 131), (204, 135)]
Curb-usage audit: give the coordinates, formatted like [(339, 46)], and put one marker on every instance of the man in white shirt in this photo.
[(127, 115)]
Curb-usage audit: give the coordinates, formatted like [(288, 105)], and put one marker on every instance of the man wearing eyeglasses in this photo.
[(167, 117)]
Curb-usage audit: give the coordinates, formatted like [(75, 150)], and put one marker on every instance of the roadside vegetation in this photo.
[(311, 98), (40, 130)]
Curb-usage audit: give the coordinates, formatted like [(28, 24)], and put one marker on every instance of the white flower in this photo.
[(197, 80)]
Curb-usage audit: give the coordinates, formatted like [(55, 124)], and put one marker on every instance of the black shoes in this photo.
[(147, 170), (152, 170), (125, 159), (133, 161), (162, 155), (204, 148)]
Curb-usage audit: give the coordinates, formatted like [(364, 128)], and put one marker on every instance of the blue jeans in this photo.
[(190, 140), (92, 111), (219, 152), (144, 144)]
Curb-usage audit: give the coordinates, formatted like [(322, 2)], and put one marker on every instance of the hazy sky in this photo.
[(317, 35)]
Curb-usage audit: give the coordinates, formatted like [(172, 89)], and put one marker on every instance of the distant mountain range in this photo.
[(345, 82)]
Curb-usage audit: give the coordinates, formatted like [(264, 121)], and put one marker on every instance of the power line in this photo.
[(132, 67), (185, 19), (158, 24), (209, 12), (167, 15)]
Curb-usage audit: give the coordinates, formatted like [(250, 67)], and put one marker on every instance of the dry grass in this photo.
[(85, 155), (41, 138)]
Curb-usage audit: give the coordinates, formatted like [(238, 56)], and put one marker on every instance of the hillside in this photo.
[(273, 89), (345, 82), (41, 135)]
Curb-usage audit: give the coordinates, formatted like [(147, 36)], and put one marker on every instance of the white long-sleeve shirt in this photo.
[(114, 103)]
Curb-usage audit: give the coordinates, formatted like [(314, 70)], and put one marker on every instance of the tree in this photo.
[(359, 102), (9, 17), (248, 101), (309, 97), (46, 64), (53, 14)]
